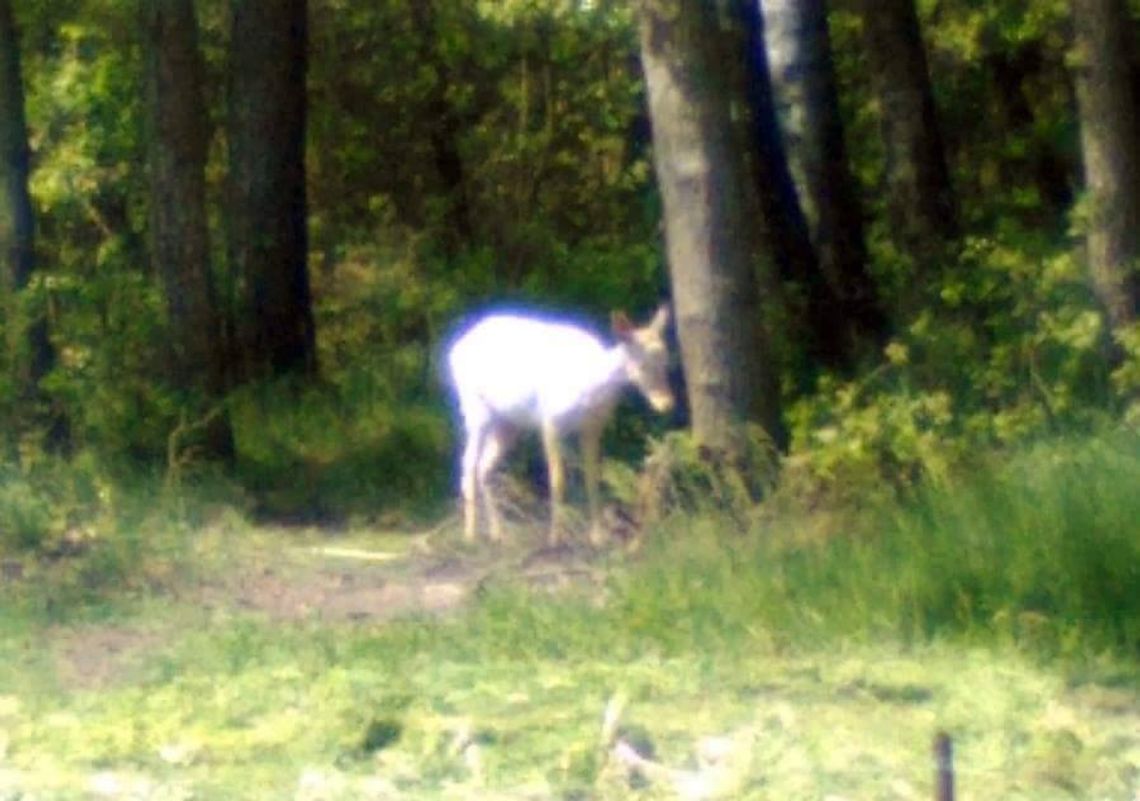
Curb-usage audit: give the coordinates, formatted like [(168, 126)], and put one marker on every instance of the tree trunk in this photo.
[(803, 81), (267, 235), (783, 228), (179, 233), (709, 213), (1111, 153), (1052, 174), (920, 201), (443, 133), (35, 356)]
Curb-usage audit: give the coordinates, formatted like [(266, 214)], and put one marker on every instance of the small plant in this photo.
[(26, 521), (681, 476)]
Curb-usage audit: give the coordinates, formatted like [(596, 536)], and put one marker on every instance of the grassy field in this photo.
[(806, 657)]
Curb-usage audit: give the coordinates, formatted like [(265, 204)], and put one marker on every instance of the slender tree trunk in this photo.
[(35, 356), (1052, 174), (920, 201), (179, 232), (266, 215), (803, 82), (1110, 146), (444, 133), (709, 214), (784, 227)]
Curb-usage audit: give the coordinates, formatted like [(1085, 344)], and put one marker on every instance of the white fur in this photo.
[(516, 371)]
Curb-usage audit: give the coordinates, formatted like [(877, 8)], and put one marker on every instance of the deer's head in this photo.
[(647, 365)]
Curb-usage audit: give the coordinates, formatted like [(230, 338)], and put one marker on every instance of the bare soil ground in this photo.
[(320, 579)]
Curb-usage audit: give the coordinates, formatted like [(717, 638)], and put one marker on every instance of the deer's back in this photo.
[(522, 367)]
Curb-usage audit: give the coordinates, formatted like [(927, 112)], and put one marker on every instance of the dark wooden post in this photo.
[(944, 765)]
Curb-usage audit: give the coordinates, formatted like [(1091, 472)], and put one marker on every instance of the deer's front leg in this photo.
[(591, 440), (495, 445), (552, 447)]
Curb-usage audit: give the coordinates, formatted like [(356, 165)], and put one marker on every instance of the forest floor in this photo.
[(277, 663), (290, 576)]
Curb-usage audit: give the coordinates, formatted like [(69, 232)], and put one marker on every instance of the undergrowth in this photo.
[(1042, 550), (824, 649)]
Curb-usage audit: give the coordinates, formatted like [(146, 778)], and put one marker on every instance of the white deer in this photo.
[(516, 371)]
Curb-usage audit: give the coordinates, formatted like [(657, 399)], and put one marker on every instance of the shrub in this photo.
[(26, 521)]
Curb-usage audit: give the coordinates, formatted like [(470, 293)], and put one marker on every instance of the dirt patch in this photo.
[(339, 584), (89, 657), (344, 584), (322, 583), (338, 594)]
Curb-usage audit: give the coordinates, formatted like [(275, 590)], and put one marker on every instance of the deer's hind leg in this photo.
[(496, 442), (468, 480)]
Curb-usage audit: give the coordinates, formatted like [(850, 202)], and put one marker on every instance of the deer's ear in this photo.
[(660, 319), (623, 328)]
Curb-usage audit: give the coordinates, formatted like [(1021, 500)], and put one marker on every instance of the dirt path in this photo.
[(286, 577)]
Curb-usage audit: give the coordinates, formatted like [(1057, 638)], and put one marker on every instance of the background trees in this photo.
[(31, 354), (901, 255), (920, 202), (804, 83)]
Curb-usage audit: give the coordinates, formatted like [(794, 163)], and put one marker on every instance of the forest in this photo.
[(925, 247), (900, 240)]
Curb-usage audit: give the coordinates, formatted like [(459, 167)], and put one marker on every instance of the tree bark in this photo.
[(1111, 154), (267, 227), (803, 82), (709, 214), (1052, 173), (920, 200), (35, 356), (443, 133), (180, 250)]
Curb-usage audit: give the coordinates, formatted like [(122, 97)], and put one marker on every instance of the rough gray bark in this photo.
[(709, 213), (803, 81), (1110, 147), (180, 249), (267, 239), (35, 356), (920, 201)]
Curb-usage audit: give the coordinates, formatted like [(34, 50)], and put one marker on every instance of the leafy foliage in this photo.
[(461, 154), (1010, 348)]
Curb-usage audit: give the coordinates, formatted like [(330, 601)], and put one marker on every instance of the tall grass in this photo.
[(1042, 550)]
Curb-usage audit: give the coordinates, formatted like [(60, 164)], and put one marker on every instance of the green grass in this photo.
[(241, 709), (997, 608), (1042, 552)]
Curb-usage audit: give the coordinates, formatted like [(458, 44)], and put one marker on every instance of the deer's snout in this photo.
[(662, 402)]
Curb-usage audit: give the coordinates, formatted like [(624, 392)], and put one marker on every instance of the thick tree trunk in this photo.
[(180, 249), (803, 81), (920, 201), (1110, 146), (709, 214), (266, 215), (35, 356)]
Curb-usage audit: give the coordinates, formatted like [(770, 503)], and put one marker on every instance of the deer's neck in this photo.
[(594, 391), (613, 377)]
